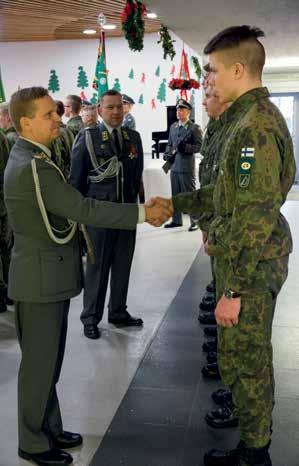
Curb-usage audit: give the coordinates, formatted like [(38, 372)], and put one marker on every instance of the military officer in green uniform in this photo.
[(7, 126), (46, 269), (249, 237), (72, 108)]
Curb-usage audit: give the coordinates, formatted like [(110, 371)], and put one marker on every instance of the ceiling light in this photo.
[(151, 15), (109, 26), (89, 31)]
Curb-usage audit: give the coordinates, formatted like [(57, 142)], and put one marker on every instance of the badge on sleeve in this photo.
[(246, 162)]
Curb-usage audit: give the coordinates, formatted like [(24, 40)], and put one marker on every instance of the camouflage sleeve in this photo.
[(258, 199), (196, 202)]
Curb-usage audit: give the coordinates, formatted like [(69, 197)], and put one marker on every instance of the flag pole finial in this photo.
[(101, 20)]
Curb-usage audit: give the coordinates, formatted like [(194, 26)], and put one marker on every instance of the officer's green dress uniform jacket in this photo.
[(43, 277)]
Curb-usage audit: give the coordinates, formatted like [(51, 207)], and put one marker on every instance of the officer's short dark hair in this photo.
[(241, 45), (75, 102), (59, 107), (109, 92), (22, 104)]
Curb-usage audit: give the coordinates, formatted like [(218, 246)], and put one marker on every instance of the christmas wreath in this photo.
[(183, 84), (132, 19), (167, 42)]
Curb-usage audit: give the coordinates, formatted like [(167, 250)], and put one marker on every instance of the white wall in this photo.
[(282, 81), (26, 64)]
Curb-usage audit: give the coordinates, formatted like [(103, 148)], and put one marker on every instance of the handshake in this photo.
[(158, 210)]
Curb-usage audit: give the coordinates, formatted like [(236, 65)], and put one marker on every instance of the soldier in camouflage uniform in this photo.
[(7, 126), (249, 237), (72, 108), (61, 148), (4, 236)]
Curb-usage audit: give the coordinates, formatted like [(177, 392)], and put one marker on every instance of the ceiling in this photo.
[(195, 21), (22, 20)]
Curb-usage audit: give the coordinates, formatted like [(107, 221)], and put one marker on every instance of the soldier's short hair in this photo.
[(109, 92), (240, 44), (22, 104), (4, 108), (59, 107), (75, 102)]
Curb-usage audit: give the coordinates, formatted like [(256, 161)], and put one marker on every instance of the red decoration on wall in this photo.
[(184, 82), (172, 70), (83, 96), (142, 78), (153, 104)]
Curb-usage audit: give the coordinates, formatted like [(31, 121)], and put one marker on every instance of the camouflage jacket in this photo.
[(75, 124), (257, 170), (208, 151), (61, 149)]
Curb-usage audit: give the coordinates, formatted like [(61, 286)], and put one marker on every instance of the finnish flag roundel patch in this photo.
[(246, 163)]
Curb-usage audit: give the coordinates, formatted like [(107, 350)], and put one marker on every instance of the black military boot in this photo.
[(223, 417), (3, 307), (211, 287), (255, 457), (211, 371), (208, 346), (217, 457), (222, 397)]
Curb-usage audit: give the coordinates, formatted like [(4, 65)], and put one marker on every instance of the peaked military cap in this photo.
[(127, 99), (184, 104)]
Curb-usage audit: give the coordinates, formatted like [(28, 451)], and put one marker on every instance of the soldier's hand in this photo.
[(227, 311), (157, 213)]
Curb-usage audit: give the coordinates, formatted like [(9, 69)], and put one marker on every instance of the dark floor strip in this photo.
[(160, 420)]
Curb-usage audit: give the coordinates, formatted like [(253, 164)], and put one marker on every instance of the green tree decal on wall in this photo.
[(161, 96), (82, 81), (116, 85), (53, 85)]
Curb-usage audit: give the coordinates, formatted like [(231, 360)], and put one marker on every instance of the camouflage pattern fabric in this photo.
[(75, 124), (251, 241)]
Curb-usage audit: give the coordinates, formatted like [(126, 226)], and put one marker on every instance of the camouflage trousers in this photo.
[(5, 252), (245, 354)]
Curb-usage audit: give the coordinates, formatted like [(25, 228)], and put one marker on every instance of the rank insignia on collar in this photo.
[(105, 136)]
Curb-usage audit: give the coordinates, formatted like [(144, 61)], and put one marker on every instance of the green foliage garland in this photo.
[(196, 66), (132, 19), (167, 42)]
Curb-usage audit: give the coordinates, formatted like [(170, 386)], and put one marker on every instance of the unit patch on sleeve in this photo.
[(246, 162)]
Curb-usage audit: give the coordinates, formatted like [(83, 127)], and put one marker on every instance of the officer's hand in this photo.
[(181, 147), (227, 311), (158, 212), (165, 157)]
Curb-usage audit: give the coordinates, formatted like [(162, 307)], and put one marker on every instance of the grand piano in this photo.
[(160, 138)]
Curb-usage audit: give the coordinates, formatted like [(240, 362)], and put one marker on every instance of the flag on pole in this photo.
[(100, 81), (2, 95)]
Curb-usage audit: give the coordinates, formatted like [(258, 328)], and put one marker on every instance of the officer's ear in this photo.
[(238, 70), (25, 124)]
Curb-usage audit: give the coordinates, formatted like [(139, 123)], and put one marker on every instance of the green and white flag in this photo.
[(100, 81)]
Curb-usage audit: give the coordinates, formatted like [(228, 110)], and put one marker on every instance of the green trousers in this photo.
[(41, 330), (245, 351)]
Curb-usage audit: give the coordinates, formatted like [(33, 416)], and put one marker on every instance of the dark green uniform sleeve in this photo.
[(258, 198), (196, 202), (65, 201), (195, 145)]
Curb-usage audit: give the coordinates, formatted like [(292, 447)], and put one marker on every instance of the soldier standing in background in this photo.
[(184, 141), (7, 125), (107, 163), (61, 147), (72, 108), (129, 120), (89, 115)]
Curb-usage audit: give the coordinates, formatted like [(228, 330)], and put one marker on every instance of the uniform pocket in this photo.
[(59, 273)]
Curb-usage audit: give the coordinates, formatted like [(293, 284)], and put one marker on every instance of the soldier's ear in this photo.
[(238, 70)]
